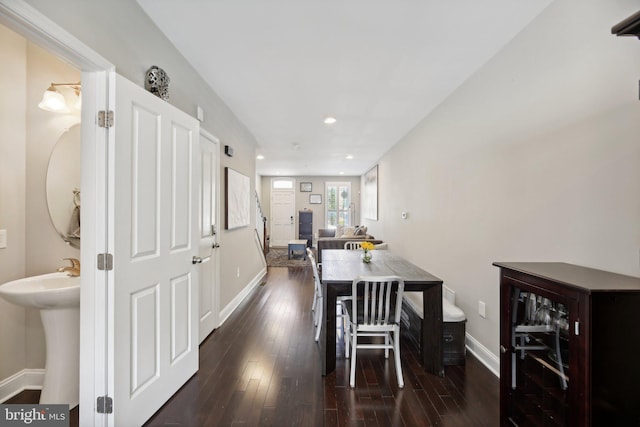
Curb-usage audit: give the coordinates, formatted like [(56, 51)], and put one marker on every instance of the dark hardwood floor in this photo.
[(262, 368)]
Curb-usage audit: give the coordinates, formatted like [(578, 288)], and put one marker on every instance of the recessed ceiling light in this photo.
[(260, 157), (329, 120), (341, 173), (349, 157)]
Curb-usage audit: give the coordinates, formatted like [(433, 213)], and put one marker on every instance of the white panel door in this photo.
[(155, 309), (282, 217), (209, 162)]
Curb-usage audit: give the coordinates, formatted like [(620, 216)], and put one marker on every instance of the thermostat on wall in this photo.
[(228, 151)]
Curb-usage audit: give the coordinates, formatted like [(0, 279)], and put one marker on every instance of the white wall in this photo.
[(45, 249), (13, 56), (123, 34), (534, 158)]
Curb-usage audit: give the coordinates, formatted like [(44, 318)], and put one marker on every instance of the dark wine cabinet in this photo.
[(570, 346), (305, 226)]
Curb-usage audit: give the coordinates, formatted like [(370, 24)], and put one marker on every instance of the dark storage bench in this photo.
[(453, 327)]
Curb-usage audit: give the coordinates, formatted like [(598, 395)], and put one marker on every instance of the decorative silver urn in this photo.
[(157, 82)]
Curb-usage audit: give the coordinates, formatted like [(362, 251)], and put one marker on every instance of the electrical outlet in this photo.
[(238, 272), (3, 239), (482, 309)]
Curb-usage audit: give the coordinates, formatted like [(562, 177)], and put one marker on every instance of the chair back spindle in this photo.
[(352, 246), (377, 297)]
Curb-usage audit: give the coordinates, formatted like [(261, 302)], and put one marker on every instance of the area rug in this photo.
[(277, 257)]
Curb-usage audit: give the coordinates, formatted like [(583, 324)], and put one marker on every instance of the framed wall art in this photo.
[(315, 199), (306, 187), (370, 194), (237, 196)]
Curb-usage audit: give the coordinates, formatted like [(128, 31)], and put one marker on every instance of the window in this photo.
[(282, 184), (338, 204)]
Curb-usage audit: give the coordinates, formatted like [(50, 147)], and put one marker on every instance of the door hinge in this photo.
[(105, 262), (104, 405), (105, 119)]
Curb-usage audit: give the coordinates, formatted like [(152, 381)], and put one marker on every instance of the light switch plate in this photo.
[(482, 309), (3, 239)]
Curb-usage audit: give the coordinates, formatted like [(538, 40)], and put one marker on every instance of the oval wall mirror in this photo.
[(63, 186)]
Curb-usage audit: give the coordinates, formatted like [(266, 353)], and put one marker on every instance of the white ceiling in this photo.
[(378, 66)]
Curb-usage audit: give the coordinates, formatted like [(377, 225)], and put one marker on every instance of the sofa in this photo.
[(335, 238)]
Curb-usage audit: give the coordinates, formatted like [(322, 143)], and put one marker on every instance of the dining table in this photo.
[(340, 267)]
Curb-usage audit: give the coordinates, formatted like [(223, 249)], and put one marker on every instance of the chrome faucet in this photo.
[(73, 269)]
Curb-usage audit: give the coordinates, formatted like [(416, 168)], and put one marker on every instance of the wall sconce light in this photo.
[(54, 101)]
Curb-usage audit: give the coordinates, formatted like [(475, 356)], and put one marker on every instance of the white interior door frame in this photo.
[(210, 298), (37, 28), (283, 212)]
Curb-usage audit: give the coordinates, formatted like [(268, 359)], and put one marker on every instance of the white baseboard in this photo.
[(226, 312), (482, 353), (27, 379)]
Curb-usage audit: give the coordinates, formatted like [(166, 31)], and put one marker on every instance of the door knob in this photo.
[(196, 260), (216, 245)]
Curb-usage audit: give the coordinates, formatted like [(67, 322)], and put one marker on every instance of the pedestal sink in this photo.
[(57, 296)]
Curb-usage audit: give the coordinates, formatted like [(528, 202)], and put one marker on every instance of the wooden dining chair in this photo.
[(374, 311)]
